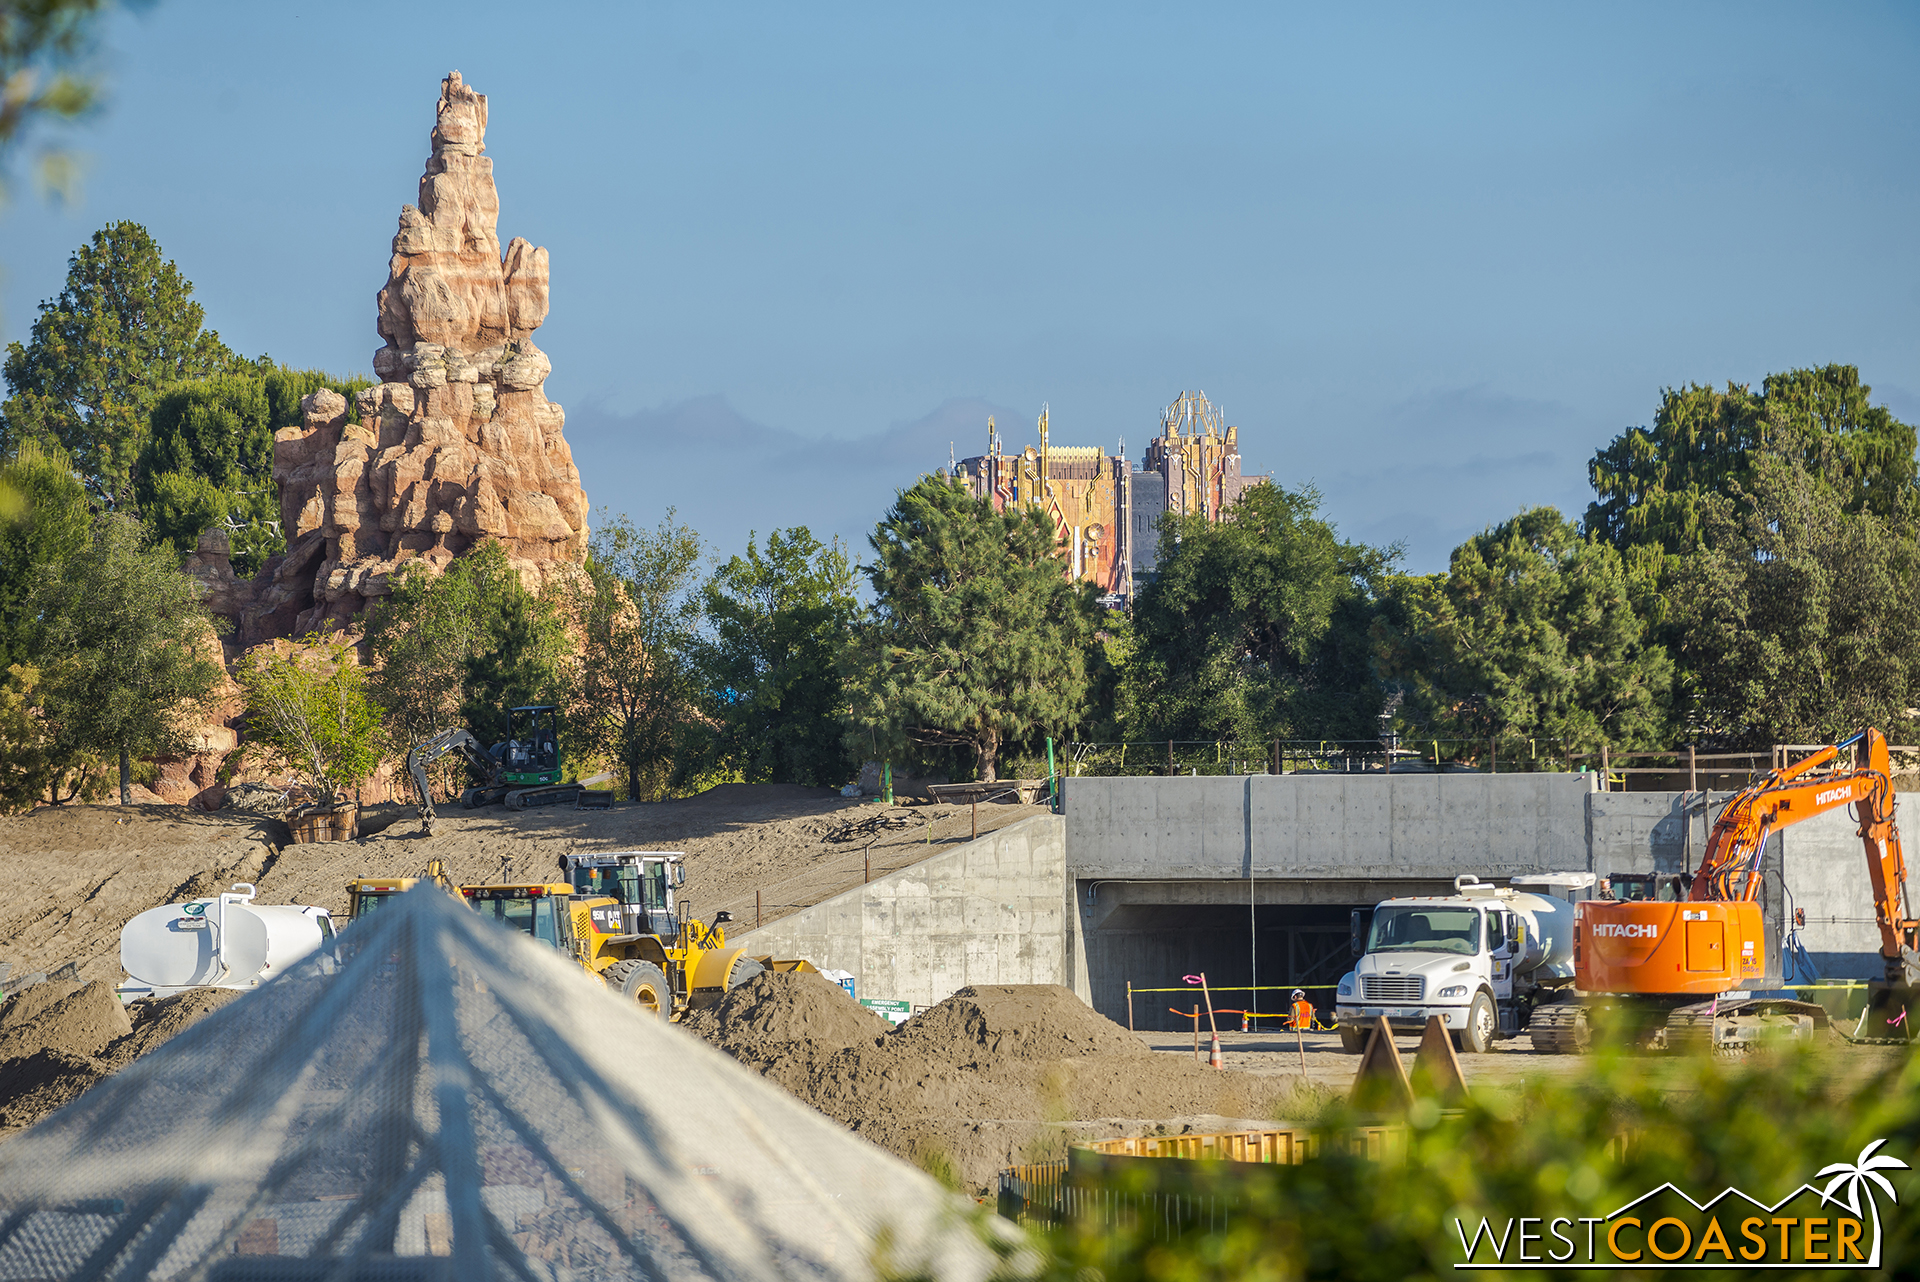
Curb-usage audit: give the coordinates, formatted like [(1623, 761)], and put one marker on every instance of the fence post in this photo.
[(1693, 769), (1276, 757), (1169, 758), (1606, 779)]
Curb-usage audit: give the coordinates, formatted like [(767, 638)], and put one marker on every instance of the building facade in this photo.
[(1105, 511)]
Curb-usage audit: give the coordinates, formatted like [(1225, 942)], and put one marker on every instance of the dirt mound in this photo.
[(85, 1020), (993, 1075), (34, 1086), (58, 1039), (786, 1007), (1016, 1021), (164, 1018)]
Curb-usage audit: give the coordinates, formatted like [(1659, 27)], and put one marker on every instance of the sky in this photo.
[(1427, 258)]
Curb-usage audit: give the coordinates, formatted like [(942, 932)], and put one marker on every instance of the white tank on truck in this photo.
[(227, 941), (1479, 958)]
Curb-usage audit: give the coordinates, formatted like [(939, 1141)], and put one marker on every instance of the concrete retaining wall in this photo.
[(1410, 826), (992, 911)]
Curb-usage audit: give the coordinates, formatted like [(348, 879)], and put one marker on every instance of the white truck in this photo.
[(226, 941), (1479, 958)]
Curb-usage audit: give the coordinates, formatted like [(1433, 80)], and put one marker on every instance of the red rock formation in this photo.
[(457, 444)]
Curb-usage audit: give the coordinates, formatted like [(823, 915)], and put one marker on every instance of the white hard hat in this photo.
[(1299, 993)]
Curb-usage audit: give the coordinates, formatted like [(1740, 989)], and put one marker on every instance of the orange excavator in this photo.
[(1679, 972)]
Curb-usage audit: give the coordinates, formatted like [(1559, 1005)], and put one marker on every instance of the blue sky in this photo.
[(1428, 258)]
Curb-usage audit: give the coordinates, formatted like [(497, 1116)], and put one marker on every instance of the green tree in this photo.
[(122, 330), (976, 638), (451, 646), (1797, 619), (635, 696), (1652, 485), (49, 525), (1257, 626), (35, 765), (521, 662), (780, 622), (1534, 633), (41, 45), (208, 458), (310, 708), (120, 634)]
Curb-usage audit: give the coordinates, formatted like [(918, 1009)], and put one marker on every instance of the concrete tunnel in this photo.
[(1279, 935)]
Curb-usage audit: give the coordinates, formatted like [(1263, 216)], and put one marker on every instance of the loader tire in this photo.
[(744, 969), (644, 984)]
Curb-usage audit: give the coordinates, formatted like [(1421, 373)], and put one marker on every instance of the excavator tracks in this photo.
[(1560, 1029), (555, 794), (1732, 1027)]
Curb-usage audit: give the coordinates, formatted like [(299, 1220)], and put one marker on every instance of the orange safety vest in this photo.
[(1303, 1014)]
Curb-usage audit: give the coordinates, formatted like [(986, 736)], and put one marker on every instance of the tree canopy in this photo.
[(454, 648), (121, 635), (1798, 619), (636, 690), (208, 458), (1652, 485), (50, 525), (122, 330), (1257, 626), (308, 705), (976, 638), (780, 620), (42, 43), (1534, 633)]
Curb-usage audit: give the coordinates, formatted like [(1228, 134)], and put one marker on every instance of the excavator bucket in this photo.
[(1890, 1013)]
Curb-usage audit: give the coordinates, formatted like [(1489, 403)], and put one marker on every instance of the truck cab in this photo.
[(1478, 959)]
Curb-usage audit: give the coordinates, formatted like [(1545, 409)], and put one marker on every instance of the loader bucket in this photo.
[(1890, 1013), (788, 965)]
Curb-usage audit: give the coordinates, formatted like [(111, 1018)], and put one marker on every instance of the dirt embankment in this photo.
[(78, 873), (989, 1077), (59, 1038)]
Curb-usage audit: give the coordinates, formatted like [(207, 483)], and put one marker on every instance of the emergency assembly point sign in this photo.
[(1835, 1225)]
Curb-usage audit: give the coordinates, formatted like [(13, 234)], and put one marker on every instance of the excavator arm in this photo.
[(429, 750), (1730, 870)]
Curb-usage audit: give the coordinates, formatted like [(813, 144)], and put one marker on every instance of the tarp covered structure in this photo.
[(447, 1099)]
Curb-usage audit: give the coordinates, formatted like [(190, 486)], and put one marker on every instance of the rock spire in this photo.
[(458, 442)]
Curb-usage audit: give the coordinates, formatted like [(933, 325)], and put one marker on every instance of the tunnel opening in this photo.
[(1276, 946)]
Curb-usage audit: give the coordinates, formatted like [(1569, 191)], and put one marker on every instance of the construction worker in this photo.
[(1302, 1017)]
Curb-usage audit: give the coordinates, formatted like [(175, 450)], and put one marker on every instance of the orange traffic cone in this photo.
[(1213, 1053)]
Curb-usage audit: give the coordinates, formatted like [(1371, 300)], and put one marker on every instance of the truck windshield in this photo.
[(1433, 929)]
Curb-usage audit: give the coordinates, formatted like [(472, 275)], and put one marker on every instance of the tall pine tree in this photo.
[(977, 640), (123, 329)]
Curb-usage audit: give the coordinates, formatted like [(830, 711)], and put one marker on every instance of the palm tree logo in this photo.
[(1855, 1178)]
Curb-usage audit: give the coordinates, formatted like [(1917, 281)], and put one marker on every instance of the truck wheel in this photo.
[(644, 984), (1482, 1024), (1353, 1038)]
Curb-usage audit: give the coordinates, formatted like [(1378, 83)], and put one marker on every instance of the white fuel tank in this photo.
[(1549, 918), (224, 942)]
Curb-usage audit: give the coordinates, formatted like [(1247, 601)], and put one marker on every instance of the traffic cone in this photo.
[(1213, 1053)]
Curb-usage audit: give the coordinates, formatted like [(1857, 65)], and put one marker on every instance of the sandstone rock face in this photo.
[(457, 444)]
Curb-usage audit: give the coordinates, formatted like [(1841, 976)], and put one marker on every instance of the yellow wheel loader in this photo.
[(618, 917), (366, 894)]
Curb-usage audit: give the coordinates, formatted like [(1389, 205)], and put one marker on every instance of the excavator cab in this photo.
[(531, 754)]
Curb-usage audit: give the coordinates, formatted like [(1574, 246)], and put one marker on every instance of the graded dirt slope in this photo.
[(75, 874), (991, 1076)]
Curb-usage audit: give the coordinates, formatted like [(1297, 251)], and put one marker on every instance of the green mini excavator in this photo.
[(524, 770)]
